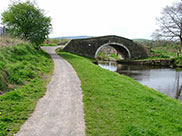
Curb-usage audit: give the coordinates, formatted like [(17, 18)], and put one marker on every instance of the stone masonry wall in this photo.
[(88, 47)]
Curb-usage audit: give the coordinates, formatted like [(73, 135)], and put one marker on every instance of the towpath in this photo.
[(60, 112)]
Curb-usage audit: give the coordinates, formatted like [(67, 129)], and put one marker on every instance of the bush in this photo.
[(31, 24)]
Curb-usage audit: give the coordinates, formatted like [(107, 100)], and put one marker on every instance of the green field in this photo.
[(116, 105)]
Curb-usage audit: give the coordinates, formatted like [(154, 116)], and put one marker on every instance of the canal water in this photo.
[(165, 80)]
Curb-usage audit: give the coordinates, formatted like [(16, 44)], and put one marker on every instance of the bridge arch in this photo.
[(120, 48), (89, 47)]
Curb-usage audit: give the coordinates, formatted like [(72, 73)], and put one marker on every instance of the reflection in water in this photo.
[(165, 80), (109, 65)]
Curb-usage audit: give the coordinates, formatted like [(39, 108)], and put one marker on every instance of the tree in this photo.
[(170, 23), (26, 20)]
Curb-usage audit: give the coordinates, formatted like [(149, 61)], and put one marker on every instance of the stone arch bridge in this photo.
[(89, 47)]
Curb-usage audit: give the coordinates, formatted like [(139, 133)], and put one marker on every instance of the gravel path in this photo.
[(60, 111)]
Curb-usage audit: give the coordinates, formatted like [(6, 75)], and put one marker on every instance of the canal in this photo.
[(165, 80)]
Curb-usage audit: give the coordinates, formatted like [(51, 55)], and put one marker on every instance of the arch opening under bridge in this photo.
[(120, 48)]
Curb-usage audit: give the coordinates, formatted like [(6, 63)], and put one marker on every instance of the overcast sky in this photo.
[(126, 18)]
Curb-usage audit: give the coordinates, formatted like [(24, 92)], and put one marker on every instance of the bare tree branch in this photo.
[(170, 23)]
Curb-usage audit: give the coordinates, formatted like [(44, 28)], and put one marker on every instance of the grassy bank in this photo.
[(7, 41), (117, 105), (159, 54), (163, 50), (24, 74)]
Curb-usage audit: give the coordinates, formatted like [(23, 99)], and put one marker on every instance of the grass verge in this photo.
[(24, 74), (119, 106)]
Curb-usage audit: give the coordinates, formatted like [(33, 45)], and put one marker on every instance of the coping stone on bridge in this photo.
[(89, 47)]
